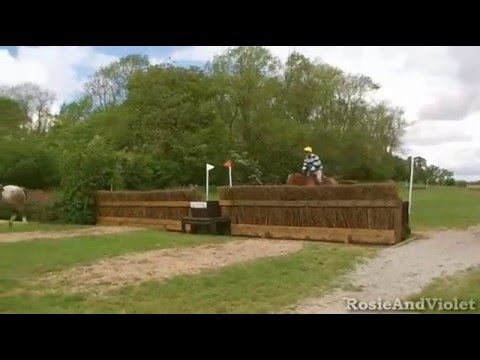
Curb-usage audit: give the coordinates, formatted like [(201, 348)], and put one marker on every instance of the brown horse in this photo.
[(308, 180)]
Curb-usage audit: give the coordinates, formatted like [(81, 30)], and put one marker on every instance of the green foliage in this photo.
[(139, 126), (12, 116), (86, 166), (137, 171), (450, 182), (27, 162)]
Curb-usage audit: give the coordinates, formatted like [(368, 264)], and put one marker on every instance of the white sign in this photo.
[(198, 205)]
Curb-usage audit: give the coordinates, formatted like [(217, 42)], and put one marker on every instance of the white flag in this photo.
[(209, 167)]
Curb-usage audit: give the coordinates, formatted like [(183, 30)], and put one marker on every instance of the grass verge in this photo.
[(464, 286), (261, 286)]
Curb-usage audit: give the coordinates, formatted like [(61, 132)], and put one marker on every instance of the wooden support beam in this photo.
[(172, 225), (354, 236)]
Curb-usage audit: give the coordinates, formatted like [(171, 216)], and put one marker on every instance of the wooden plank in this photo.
[(312, 203), (168, 224), (354, 236), (144, 204)]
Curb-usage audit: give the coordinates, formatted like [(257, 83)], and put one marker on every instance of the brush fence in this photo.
[(321, 217), (162, 209)]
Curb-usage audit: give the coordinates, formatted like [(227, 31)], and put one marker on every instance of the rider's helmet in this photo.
[(308, 149)]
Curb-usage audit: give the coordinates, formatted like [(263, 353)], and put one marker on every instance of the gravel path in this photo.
[(401, 271)]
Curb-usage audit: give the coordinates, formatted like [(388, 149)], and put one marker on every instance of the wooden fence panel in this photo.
[(350, 221), (346, 221)]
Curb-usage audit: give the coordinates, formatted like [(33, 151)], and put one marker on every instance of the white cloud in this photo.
[(419, 79), (52, 67), (197, 53)]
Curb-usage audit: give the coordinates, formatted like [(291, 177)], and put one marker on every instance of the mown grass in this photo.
[(463, 286), (21, 227), (443, 207), (23, 261), (260, 286)]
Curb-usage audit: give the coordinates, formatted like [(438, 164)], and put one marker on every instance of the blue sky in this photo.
[(436, 86)]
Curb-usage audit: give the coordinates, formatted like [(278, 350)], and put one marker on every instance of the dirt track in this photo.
[(32, 235), (401, 271), (160, 265)]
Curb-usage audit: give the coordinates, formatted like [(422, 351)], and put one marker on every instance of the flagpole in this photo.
[(228, 164), (206, 180), (411, 187), (208, 167)]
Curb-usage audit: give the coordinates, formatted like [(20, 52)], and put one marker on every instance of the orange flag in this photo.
[(228, 163)]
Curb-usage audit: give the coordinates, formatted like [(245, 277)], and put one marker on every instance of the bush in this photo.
[(26, 163), (85, 169)]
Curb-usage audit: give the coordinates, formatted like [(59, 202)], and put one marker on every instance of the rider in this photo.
[(312, 164)]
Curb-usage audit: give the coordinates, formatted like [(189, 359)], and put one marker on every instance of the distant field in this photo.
[(443, 207)]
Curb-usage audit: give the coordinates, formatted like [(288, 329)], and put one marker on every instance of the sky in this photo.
[(438, 87)]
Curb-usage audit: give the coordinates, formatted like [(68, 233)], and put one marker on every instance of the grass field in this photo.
[(464, 286), (25, 260), (443, 207), (258, 286)]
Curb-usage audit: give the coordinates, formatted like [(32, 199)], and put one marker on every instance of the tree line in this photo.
[(141, 126)]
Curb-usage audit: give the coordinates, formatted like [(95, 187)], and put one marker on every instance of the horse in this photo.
[(16, 197), (308, 180)]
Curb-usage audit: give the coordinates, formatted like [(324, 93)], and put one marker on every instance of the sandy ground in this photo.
[(95, 230), (160, 265), (401, 271)]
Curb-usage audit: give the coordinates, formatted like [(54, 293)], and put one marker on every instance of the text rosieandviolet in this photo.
[(402, 305)]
